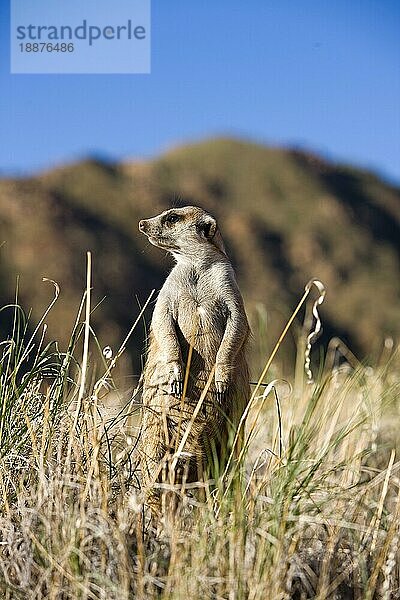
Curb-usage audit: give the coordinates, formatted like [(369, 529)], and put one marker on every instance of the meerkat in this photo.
[(199, 318)]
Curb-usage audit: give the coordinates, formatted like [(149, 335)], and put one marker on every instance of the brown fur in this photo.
[(199, 305)]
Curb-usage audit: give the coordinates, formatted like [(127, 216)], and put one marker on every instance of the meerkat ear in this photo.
[(209, 229), (208, 226)]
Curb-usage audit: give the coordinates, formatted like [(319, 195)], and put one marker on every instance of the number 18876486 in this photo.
[(46, 47)]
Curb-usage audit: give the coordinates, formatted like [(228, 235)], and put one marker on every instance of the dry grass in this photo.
[(311, 510)]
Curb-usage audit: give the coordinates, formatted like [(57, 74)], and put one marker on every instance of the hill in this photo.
[(286, 216)]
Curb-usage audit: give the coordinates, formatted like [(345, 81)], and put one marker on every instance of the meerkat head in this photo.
[(189, 231)]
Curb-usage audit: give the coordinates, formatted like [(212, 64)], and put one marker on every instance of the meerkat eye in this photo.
[(172, 218)]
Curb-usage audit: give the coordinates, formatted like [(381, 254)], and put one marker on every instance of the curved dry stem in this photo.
[(46, 312), (315, 333)]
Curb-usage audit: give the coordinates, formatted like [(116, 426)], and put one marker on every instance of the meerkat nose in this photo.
[(142, 225)]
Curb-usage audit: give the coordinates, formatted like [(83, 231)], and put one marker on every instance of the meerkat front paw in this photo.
[(222, 379), (222, 389), (175, 379)]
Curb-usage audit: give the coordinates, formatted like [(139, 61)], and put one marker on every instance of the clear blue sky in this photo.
[(321, 74)]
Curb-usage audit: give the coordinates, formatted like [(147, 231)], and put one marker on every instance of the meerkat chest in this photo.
[(197, 304)]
